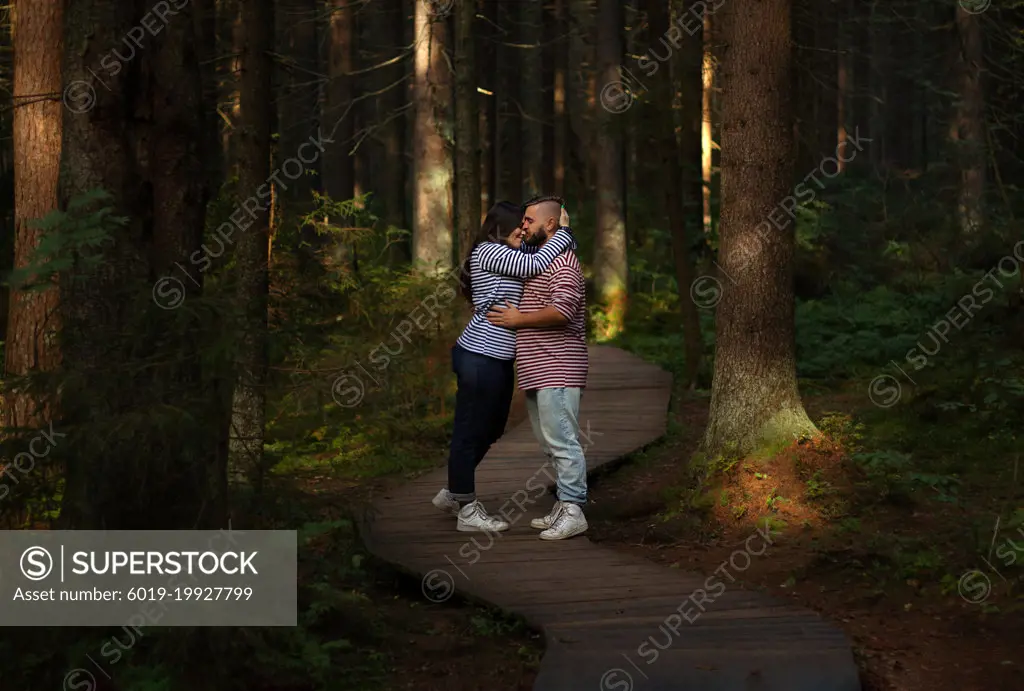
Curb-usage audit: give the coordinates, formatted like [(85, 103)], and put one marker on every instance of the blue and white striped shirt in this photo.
[(496, 275)]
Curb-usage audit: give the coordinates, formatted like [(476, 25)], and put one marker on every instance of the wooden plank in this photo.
[(597, 606)]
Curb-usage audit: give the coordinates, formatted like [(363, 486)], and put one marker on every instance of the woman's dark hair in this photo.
[(501, 221)]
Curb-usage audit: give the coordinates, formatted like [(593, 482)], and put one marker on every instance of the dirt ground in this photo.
[(908, 636)]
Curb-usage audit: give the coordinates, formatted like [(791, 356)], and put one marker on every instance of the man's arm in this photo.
[(538, 319), (566, 298), (499, 258)]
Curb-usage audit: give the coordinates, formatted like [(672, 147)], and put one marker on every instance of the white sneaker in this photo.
[(446, 502), (473, 518), (545, 522), (569, 522)]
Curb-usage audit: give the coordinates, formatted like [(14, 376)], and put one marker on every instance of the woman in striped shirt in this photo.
[(483, 356)]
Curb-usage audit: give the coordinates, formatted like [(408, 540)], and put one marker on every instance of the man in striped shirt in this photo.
[(551, 365)]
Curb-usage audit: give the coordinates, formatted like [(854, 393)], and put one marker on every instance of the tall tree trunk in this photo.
[(754, 398), (683, 194), (968, 131), (844, 64), (339, 118), (229, 25), (611, 266), (432, 155), (33, 319), (531, 90), (298, 99), (561, 121), (486, 58), (205, 19), (878, 87), (141, 419), (509, 142), (393, 188), (467, 128), (580, 99), (249, 401), (706, 141)]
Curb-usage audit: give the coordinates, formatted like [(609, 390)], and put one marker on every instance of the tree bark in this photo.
[(611, 266), (298, 99), (432, 154), (561, 120), (33, 319), (581, 101), (531, 90), (230, 38), (253, 256), (339, 119), (486, 55), (467, 128), (755, 401), (968, 131), (706, 140), (509, 142), (141, 419), (682, 158), (844, 65)]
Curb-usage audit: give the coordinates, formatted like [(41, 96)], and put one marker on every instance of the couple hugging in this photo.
[(526, 287)]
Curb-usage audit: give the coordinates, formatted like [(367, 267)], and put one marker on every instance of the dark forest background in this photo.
[(229, 231)]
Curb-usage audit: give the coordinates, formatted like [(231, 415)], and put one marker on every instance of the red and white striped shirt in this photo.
[(555, 357)]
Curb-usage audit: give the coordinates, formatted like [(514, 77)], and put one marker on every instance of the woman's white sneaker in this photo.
[(545, 522), (569, 522), (446, 502), (473, 518)]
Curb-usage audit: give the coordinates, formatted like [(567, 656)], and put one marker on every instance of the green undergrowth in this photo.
[(940, 459)]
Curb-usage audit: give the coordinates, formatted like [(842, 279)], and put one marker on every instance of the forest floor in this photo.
[(887, 567), (888, 575), (412, 643)]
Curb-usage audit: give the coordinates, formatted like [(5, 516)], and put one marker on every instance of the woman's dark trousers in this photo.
[(481, 411)]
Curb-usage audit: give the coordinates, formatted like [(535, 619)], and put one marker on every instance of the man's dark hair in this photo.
[(542, 198)]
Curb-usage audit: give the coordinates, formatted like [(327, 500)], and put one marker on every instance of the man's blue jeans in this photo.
[(554, 415)]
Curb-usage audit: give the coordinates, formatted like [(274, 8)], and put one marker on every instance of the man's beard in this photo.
[(537, 238)]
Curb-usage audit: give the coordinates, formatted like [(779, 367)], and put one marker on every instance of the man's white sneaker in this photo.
[(545, 522), (446, 502), (569, 522), (473, 518)]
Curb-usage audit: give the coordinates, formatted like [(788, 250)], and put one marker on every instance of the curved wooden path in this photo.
[(611, 621)]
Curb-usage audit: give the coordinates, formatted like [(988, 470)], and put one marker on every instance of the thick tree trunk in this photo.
[(611, 266), (467, 128), (432, 154), (968, 131), (33, 319), (755, 400), (141, 421), (531, 90), (249, 401)]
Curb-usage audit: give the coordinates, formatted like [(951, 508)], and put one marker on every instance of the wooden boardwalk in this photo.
[(611, 621)]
